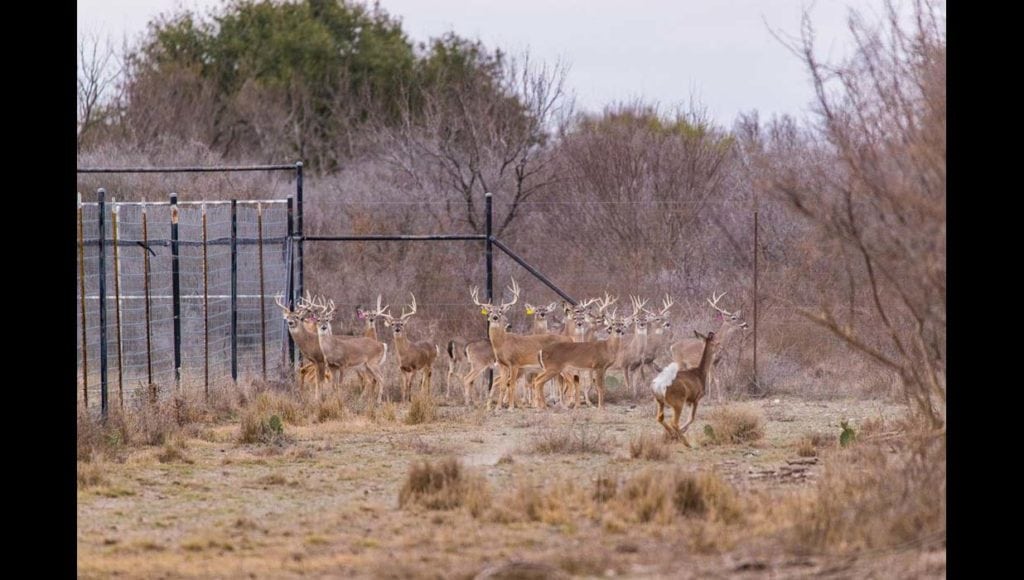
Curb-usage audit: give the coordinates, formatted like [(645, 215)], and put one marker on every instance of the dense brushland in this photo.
[(407, 138)]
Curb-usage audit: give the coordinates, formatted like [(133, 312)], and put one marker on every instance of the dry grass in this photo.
[(579, 437), (174, 452), (810, 443), (649, 447), (871, 498), (256, 427), (331, 408), (444, 485), (422, 409), (661, 496), (90, 474), (733, 424)]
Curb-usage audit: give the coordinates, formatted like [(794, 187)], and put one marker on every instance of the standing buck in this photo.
[(596, 355), (676, 388), (512, 352), (687, 352), (412, 356), (343, 353), (633, 353), (301, 324)]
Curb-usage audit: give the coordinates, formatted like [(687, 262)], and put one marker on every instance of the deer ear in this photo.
[(737, 313)]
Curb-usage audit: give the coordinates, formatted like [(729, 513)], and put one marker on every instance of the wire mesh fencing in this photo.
[(176, 297)]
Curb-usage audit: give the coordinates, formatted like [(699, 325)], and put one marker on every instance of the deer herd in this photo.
[(559, 365)]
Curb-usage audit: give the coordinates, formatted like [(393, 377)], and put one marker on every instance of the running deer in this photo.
[(512, 352), (343, 353), (676, 388), (687, 352), (596, 355), (412, 356)]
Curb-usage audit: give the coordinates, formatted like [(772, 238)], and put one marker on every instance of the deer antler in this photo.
[(666, 304), (380, 311), (474, 292), (412, 308), (278, 299), (713, 301), (514, 288)]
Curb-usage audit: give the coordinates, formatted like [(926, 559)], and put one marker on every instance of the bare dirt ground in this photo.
[(325, 504)]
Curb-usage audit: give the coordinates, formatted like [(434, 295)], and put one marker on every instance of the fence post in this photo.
[(206, 312), (100, 196), (81, 289), (290, 289), (263, 298), (176, 290), (145, 286), (234, 290), (489, 256), (755, 299), (117, 303), (298, 226)]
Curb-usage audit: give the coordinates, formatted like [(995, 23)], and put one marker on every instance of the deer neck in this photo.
[(371, 330), (705, 358), (540, 325)]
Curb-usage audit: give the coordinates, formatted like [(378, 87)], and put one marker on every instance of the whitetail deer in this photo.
[(343, 353), (369, 318), (586, 322), (596, 355), (301, 324), (478, 354), (659, 337), (633, 353), (540, 317), (687, 352), (412, 356), (676, 388), (512, 352)]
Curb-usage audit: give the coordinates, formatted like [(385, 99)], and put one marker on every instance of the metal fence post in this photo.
[(149, 314), (300, 282), (81, 289), (290, 284), (489, 257), (206, 311), (755, 297), (100, 196), (234, 290), (176, 290), (263, 298), (117, 303)]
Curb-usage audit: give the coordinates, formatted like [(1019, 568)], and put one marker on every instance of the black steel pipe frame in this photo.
[(397, 238), (100, 195), (299, 232), (186, 169), (206, 313), (145, 286), (489, 259), (234, 292), (508, 251), (755, 298), (117, 305), (263, 298), (81, 285), (176, 290), (290, 288)]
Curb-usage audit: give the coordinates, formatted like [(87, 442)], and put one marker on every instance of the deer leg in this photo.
[(677, 411), (629, 379), (693, 415), (661, 418), (600, 388)]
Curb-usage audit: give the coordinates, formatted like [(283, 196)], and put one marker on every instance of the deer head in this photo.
[(398, 324), (730, 320)]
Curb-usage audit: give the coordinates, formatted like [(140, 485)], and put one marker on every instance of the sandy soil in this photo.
[(326, 503)]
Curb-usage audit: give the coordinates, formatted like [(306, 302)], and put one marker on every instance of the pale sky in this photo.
[(718, 51)]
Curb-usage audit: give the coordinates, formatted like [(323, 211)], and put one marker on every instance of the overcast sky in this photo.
[(719, 51)]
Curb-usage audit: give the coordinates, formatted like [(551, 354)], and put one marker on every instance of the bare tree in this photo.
[(476, 134), (881, 192), (99, 71)]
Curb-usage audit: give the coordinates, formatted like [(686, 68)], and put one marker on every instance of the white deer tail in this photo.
[(661, 382), (384, 355)]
